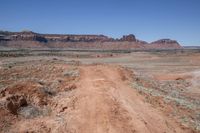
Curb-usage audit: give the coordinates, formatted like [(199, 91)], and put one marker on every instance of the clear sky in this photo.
[(149, 20)]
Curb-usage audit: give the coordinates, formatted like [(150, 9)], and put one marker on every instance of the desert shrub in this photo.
[(71, 73), (48, 91), (31, 111)]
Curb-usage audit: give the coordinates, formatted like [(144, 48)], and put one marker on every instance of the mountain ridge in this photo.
[(30, 39)]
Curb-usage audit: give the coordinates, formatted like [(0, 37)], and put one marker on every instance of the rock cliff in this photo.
[(29, 39)]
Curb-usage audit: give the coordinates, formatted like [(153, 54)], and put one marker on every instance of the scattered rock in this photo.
[(63, 109)]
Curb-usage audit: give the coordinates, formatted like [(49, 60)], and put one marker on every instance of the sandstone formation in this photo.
[(165, 43), (29, 39), (129, 38)]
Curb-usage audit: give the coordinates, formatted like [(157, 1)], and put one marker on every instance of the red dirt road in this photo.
[(107, 104), (103, 102)]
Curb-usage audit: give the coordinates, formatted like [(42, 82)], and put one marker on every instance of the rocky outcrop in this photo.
[(165, 44), (29, 39), (129, 38), (165, 41), (4, 38), (31, 36), (28, 36), (77, 38)]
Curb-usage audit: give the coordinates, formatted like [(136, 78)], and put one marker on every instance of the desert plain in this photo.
[(70, 91)]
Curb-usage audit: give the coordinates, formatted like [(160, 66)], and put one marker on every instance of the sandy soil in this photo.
[(103, 102), (54, 94), (107, 104)]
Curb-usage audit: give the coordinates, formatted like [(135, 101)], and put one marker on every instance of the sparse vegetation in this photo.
[(172, 92), (53, 86)]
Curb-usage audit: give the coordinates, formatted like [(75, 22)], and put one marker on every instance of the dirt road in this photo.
[(103, 102), (107, 104)]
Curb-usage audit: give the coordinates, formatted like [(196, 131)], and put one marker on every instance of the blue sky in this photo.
[(149, 20)]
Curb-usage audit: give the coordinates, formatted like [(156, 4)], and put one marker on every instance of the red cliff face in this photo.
[(31, 36), (27, 36), (76, 38), (28, 39)]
